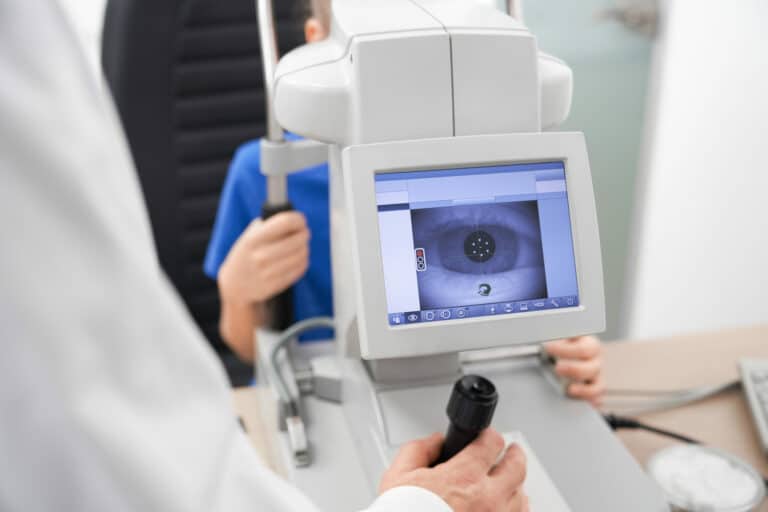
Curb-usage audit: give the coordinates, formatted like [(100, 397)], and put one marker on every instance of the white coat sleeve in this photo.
[(408, 498), (110, 398)]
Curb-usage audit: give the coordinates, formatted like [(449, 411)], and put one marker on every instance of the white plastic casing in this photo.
[(414, 69), (439, 80), (379, 340)]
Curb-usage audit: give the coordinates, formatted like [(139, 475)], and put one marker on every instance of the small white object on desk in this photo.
[(697, 478)]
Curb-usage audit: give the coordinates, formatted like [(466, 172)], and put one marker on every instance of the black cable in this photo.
[(618, 422), (622, 422)]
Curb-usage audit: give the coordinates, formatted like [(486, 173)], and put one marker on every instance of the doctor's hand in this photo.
[(579, 360), (471, 481)]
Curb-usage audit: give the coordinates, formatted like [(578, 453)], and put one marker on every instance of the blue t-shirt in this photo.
[(241, 201)]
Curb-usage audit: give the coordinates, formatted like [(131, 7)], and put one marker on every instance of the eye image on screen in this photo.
[(478, 254), (475, 242)]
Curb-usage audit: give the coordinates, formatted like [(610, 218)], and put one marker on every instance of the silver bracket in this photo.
[(279, 158)]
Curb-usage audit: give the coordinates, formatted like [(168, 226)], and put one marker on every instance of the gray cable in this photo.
[(684, 398), (282, 340), (647, 393)]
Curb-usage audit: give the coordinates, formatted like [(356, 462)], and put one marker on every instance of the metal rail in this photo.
[(277, 189)]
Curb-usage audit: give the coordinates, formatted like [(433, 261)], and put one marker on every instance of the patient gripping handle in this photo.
[(470, 409), (280, 306)]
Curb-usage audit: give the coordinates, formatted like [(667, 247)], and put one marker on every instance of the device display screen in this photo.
[(484, 241)]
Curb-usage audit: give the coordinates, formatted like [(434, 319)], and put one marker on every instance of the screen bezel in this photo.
[(378, 339)]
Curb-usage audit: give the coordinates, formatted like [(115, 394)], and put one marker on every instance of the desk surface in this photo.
[(675, 363), (686, 362)]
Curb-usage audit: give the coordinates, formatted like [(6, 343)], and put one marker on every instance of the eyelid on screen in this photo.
[(490, 215)]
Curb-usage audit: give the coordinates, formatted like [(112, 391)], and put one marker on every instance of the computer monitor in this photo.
[(473, 242)]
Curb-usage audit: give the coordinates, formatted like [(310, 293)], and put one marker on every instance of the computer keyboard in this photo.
[(754, 379)]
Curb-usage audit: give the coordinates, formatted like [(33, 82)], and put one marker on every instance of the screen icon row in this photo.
[(432, 315)]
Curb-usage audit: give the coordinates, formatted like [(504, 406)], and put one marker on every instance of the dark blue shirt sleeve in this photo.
[(241, 198)]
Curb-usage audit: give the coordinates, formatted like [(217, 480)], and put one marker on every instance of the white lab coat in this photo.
[(110, 398)]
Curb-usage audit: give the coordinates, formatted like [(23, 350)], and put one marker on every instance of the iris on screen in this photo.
[(479, 253)]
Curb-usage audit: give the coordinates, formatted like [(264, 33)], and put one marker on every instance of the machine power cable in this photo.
[(617, 422)]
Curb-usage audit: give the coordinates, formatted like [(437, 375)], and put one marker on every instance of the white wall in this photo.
[(701, 255)]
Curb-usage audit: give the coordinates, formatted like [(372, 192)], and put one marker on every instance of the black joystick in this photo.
[(469, 410)]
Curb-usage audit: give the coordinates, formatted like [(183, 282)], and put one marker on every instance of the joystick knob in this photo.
[(469, 410)]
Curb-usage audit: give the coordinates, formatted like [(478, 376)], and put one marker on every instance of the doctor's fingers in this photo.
[(480, 455), (510, 499), (518, 502), (582, 348), (509, 474), (278, 226), (417, 454)]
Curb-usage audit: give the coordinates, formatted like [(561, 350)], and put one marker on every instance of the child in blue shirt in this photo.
[(254, 260)]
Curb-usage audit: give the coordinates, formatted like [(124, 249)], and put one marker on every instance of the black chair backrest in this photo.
[(187, 79)]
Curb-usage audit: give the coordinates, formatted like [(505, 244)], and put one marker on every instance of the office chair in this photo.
[(186, 77)]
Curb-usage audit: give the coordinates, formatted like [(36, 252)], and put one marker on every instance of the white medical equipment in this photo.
[(457, 224)]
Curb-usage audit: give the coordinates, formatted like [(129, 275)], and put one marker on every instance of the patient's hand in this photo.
[(268, 257), (579, 360), (471, 481)]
